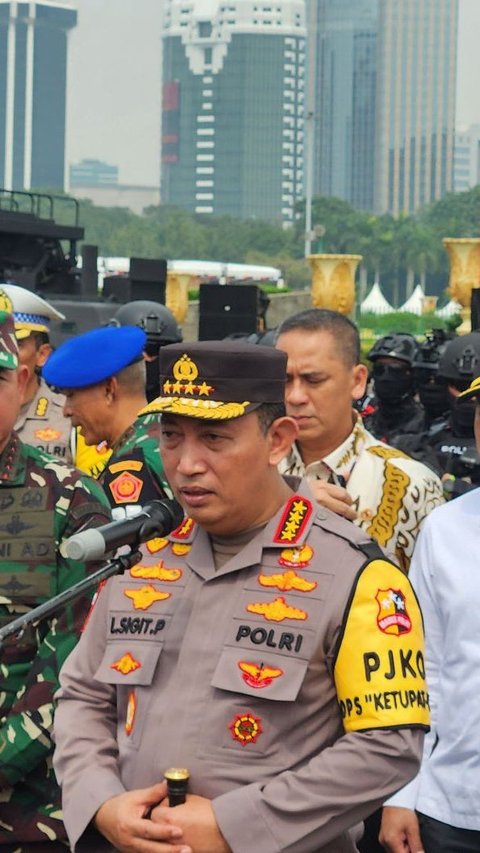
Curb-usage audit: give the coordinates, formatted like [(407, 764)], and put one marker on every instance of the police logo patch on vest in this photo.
[(392, 615), (246, 728), (380, 668)]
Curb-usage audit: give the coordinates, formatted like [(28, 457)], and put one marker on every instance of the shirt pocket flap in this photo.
[(129, 664), (265, 676)]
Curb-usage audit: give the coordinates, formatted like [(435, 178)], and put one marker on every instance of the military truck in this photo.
[(40, 252)]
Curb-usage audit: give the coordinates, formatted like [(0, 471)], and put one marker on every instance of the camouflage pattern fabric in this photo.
[(43, 502), (134, 474)]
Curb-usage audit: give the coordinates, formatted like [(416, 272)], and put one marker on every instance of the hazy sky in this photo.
[(114, 83)]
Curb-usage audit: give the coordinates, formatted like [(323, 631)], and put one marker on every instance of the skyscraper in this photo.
[(33, 62), (417, 52), (384, 100), (233, 107), (344, 108)]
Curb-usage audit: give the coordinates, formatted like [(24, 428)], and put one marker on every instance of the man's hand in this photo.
[(400, 832), (197, 820), (333, 497), (124, 821)]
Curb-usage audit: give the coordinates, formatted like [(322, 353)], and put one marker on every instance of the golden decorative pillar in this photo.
[(176, 294), (333, 281), (464, 256)]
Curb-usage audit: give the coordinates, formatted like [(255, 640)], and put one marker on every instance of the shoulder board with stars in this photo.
[(295, 518)]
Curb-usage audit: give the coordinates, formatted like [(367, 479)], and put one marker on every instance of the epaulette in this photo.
[(330, 522)]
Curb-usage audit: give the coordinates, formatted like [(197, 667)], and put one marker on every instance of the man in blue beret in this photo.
[(102, 374)]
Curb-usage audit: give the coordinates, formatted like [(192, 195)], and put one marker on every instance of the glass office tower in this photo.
[(415, 102), (33, 68), (345, 92)]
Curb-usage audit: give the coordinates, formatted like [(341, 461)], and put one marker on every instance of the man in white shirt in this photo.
[(439, 812), (383, 490)]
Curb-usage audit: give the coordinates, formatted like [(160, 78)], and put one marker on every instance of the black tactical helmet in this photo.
[(156, 320), (399, 345), (431, 349), (460, 361)]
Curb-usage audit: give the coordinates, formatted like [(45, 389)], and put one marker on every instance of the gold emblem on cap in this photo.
[(185, 372), (5, 302)]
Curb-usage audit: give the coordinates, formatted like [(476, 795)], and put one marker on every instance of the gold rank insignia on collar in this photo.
[(184, 531), (294, 520), (42, 407)]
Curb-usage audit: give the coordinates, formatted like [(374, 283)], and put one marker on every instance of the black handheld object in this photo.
[(177, 784), (159, 518)]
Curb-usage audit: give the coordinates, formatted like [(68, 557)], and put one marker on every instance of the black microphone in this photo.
[(158, 518)]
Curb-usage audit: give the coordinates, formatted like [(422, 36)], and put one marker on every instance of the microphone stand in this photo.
[(116, 566)]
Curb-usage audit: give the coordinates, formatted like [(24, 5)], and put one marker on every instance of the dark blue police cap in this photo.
[(94, 356)]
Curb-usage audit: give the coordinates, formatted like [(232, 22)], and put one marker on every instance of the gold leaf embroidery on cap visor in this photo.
[(209, 409)]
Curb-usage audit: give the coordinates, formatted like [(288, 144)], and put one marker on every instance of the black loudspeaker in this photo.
[(227, 309), (148, 278)]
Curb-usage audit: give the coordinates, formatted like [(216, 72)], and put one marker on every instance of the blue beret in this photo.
[(94, 356)]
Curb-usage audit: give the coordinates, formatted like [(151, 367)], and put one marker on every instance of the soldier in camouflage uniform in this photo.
[(102, 374), (43, 502)]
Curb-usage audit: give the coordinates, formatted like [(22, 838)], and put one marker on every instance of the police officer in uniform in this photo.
[(43, 502), (260, 646), (397, 414), (102, 374), (41, 421)]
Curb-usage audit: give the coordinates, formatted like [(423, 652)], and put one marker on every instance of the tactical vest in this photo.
[(27, 555)]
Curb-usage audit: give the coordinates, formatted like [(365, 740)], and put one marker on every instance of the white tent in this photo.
[(449, 309), (375, 302), (414, 303)]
